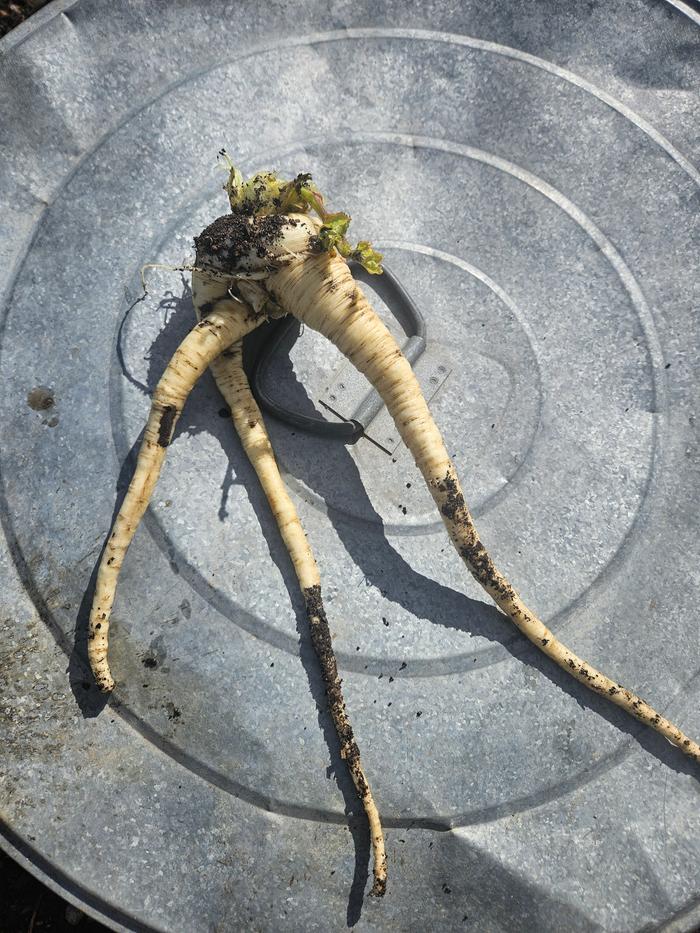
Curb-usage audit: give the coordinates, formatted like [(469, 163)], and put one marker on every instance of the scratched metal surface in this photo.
[(528, 170)]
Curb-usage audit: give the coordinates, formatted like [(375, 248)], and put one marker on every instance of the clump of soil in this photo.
[(41, 398)]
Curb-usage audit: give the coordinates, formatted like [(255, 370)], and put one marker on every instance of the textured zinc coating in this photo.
[(527, 170)]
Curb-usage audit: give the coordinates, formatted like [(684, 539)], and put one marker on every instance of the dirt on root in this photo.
[(234, 236)]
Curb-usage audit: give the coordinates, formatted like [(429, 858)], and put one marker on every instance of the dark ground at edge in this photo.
[(14, 12), (26, 906), (25, 903)]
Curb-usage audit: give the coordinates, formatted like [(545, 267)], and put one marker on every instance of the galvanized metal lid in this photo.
[(528, 172)]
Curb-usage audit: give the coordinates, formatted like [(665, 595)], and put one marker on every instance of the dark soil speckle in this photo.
[(174, 713), (41, 398)]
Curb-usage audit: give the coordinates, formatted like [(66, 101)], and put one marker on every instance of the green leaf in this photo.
[(267, 193), (292, 197), (337, 223), (313, 199), (332, 233), (368, 257)]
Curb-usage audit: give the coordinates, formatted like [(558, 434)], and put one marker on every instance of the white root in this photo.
[(321, 292), (222, 324), (233, 384)]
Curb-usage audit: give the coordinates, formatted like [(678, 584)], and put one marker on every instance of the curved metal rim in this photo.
[(55, 880), (12, 843), (36, 21)]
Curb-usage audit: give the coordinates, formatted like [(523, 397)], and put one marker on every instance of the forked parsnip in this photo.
[(300, 264), (221, 325), (273, 257), (232, 382)]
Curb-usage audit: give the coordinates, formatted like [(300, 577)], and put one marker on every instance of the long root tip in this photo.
[(379, 887), (105, 683)]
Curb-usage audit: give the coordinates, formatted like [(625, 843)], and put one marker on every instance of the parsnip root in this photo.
[(279, 258), (221, 325), (321, 292), (233, 384)]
